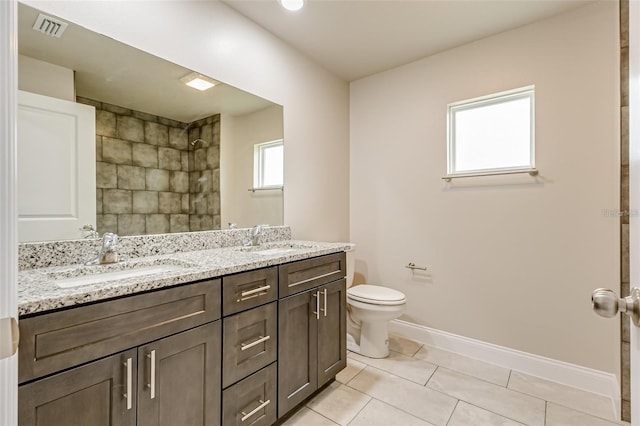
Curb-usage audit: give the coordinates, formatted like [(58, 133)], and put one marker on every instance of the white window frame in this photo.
[(258, 164), (527, 92)]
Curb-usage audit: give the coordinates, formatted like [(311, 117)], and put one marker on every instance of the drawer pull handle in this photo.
[(263, 404), (152, 373), (128, 395), (245, 346), (247, 293)]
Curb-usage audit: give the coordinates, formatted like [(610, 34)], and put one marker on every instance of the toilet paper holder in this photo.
[(413, 267)]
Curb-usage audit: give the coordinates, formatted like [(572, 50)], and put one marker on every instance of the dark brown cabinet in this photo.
[(243, 349), (172, 381), (312, 332), (179, 379), (94, 394)]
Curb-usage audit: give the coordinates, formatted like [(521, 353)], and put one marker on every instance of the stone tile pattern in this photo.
[(624, 204), (421, 385), (150, 179), (204, 174)]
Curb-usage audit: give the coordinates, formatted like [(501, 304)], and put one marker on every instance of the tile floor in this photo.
[(418, 385)]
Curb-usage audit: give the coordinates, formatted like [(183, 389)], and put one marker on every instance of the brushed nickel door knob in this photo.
[(606, 303)]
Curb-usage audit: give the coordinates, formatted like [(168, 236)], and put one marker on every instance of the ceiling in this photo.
[(124, 76), (356, 38)]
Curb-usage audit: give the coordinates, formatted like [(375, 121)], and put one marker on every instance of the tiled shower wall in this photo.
[(146, 178), (624, 202)]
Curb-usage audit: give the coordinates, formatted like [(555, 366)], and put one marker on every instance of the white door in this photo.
[(56, 168), (8, 211)]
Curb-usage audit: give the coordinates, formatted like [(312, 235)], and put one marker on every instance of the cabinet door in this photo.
[(94, 394), (332, 331), (297, 351), (179, 379)]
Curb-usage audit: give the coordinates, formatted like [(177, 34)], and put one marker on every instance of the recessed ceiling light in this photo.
[(198, 81), (292, 5)]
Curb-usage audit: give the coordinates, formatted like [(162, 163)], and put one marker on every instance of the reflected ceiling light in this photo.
[(292, 5), (198, 81)]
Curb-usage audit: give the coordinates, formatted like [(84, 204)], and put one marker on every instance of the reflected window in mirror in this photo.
[(268, 165)]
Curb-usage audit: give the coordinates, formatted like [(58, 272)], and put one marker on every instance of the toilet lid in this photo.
[(376, 294)]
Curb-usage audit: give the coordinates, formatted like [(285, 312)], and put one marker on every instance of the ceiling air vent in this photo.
[(50, 26)]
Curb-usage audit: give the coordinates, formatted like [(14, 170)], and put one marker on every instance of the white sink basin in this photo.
[(276, 249), (114, 272)]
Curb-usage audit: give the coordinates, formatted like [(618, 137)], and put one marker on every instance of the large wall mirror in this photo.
[(166, 157)]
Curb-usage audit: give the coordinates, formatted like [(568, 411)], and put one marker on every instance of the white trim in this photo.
[(8, 200), (587, 379)]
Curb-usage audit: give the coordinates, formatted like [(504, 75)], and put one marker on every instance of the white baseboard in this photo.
[(587, 379)]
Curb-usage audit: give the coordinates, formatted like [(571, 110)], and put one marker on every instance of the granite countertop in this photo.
[(38, 291)]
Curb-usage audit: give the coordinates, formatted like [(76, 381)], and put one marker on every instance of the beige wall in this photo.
[(512, 260), (238, 136), (234, 50), (46, 79)]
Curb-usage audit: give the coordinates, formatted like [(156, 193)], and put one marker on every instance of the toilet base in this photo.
[(373, 339)]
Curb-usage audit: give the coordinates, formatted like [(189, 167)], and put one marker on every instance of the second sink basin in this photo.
[(276, 249)]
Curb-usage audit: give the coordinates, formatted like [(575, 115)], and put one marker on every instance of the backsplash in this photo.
[(69, 252), (150, 178)]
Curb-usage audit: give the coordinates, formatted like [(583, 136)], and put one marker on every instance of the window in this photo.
[(492, 133), (268, 164)]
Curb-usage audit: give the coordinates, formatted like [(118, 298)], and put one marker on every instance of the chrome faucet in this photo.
[(109, 251), (254, 236)]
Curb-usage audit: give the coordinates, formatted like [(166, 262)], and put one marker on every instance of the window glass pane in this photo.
[(492, 134), (273, 165)]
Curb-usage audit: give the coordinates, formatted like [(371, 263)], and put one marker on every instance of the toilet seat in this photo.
[(376, 295)]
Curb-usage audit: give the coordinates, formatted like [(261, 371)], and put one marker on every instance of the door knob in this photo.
[(606, 303)]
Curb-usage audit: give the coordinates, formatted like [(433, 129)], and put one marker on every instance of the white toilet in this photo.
[(369, 310)]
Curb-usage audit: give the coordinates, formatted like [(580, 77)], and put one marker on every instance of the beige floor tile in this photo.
[(353, 367), (403, 345), (339, 403), (491, 397), (596, 405), (427, 404), (307, 417), (558, 415), (404, 366), (377, 413), (472, 367), (469, 415)]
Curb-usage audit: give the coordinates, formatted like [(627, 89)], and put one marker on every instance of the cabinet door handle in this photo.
[(152, 374), (245, 346), (325, 302), (128, 395), (247, 293), (263, 404), (317, 311)]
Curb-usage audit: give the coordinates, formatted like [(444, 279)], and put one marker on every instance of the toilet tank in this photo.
[(351, 263)]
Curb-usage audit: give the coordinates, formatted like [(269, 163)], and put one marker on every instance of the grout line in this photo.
[(508, 380), (452, 411), (322, 415), (362, 409), (431, 375), (493, 412)]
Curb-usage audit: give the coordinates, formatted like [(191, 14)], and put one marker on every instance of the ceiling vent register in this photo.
[(50, 26)]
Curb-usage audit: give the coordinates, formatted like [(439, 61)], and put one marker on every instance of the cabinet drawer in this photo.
[(251, 401), (55, 341), (249, 289), (309, 273), (249, 342)]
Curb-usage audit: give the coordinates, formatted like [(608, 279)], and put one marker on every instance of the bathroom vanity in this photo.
[(245, 342)]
